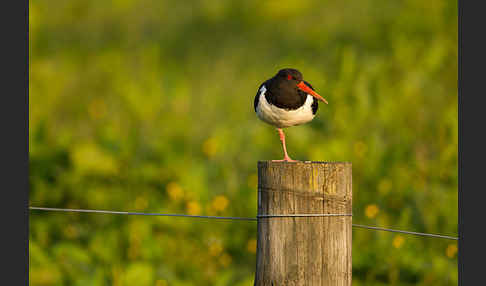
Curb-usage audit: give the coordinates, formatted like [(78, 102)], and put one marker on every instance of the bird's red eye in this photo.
[(289, 77)]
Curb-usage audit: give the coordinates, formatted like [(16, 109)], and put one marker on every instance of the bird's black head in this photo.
[(290, 75), (289, 85)]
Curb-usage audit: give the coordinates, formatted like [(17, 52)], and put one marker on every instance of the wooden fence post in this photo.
[(304, 250)]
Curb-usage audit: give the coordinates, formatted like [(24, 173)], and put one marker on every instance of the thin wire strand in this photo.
[(245, 219), (140, 213), (406, 232)]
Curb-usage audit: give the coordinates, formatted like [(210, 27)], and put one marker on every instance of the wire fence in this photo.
[(244, 219)]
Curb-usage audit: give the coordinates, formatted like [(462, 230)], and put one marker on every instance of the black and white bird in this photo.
[(286, 100)]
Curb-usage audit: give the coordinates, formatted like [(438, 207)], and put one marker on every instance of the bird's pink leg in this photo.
[(286, 156)]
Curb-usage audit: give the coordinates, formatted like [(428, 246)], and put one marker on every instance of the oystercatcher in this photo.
[(286, 100)]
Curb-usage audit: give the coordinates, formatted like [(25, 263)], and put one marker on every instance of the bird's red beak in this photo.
[(302, 86)]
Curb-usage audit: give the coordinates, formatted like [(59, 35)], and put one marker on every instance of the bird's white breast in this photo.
[(281, 117)]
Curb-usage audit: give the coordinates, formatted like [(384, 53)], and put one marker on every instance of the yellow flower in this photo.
[(220, 203), (45, 275), (225, 259), (451, 250), (215, 249), (174, 191), (71, 231), (360, 148), (133, 251), (252, 245), (97, 109), (193, 208), (210, 147), (372, 210), (161, 282), (283, 9), (141, 203), (398, 241)]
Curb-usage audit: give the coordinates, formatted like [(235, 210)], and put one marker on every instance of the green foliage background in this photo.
[(148, 106)]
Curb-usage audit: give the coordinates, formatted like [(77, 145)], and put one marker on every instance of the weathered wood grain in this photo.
[(304, 250)]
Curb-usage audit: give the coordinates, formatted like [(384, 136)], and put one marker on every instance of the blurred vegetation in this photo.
[(148, 106)]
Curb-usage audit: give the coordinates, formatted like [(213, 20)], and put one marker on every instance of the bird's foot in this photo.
[(286, 159)]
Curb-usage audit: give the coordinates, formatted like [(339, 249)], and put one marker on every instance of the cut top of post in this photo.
[(316, 178), (305, 162)]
